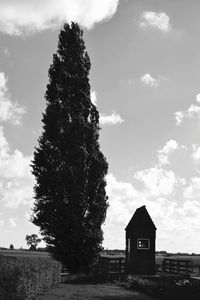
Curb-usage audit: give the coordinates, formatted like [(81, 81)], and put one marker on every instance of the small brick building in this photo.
[(140, 243)]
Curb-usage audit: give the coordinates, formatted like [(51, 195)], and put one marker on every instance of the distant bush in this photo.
[(23, 278), (166, 288)]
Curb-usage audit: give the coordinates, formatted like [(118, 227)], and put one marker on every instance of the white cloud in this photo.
[(123, 200), (12, 222), (198, 98), (112, 119), (3, 84), (192, 191), (177, 223), (22, 16), (27, 216), (120, 189), (147, 79), (157, 181), (19, 192), (169, 148), (9, 111), (16, 181), (196, 153), (179, 116), (180, 226), (193, 111), (157, 20), (93, 97), (2, 222)]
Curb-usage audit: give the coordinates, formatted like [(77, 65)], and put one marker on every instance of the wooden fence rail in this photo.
[(177, 266), (110, 267)]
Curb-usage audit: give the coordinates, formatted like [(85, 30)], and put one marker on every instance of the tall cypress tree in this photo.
[(70, 199)]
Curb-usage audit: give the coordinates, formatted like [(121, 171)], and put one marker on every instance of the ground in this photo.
[(104, 291)]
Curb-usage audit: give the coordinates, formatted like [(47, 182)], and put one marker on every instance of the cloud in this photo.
[(156, 20), (180, 226), (93, 97), (112, 119), (196, 153), (157, 181), (177, 223), (192, 112), (168, 149), (123, 200), (179, 116), (9, 223), (121, 190), (9, 111), (198, 98), (12, 222), (25, 17), (172, 203), (192, 191), (147, 79), (16, 181)]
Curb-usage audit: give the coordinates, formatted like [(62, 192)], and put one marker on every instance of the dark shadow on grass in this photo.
[(131, 297), (73, 279)]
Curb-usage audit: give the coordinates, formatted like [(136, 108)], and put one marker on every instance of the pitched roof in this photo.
[(141, 217)]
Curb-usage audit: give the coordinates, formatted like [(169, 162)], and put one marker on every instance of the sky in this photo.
[(145, 82)]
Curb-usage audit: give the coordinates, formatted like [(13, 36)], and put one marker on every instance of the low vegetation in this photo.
[(166, 288), (26, 277)]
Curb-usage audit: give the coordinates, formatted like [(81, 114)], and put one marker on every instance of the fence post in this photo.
[(178, 267), (120, 268), (171, 266), (163, 265), (187, 267)]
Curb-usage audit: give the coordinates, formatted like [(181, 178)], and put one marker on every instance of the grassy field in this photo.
[(102, 291), (23, 253), (159, 258)]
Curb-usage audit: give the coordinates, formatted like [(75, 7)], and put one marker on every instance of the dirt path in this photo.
[(106, 291)]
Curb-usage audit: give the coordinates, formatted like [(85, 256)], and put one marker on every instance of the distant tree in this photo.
[(11, 247), (70, 198), (32, 241)]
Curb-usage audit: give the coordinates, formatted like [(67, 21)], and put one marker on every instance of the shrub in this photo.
[(23, 278), (165, 288)]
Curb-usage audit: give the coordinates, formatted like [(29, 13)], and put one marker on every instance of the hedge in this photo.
[(24, 278)]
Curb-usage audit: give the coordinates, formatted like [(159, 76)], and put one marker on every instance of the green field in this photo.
[(23, 253)]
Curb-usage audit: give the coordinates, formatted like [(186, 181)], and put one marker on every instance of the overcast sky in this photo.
[(145, 81)]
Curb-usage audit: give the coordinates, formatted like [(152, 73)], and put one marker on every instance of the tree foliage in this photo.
[(11, 247), (70, 198), (32, 241)]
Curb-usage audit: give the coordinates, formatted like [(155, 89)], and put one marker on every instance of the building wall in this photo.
[(140, 261)]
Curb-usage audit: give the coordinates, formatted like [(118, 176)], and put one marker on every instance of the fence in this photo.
[(177, 266), (110, 267)]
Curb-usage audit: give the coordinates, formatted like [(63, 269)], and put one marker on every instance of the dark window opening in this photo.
[(143, 244)]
